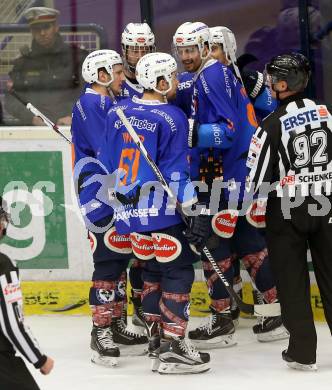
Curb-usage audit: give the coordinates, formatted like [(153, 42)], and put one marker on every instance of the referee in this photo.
[(14, 335), (292, 154)]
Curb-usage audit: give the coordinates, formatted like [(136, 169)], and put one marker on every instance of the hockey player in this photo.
[(225, 121), (14, 334), (103, 71), (293, 150), (224, 50), (191, 60), (156, 229), (219, 49), (258, 93), (137, 40)]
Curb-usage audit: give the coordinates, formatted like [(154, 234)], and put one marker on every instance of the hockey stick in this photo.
[(70, 306), (36, 112), (267, 310)]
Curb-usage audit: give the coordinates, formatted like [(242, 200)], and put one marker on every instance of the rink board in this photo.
[(71, 298)]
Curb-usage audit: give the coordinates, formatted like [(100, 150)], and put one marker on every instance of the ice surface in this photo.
[(248, 365)]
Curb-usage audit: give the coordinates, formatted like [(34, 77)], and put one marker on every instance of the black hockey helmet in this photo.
[(293, 68)]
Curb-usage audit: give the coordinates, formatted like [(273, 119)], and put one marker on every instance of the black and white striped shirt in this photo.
[(14, 334), (293, 150)]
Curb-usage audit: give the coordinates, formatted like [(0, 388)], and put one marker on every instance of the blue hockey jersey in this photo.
[(184, 92), (130, 89), (226, 122), (163, 130), (88, 124)]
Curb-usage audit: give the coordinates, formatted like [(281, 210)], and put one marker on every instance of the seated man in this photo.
[(47, 74)]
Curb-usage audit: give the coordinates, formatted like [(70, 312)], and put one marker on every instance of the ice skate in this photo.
[(235, 312), (270, 329), (296, 365), (153, 333), (179, 356), (217, 333), (130, 343), (104, 350)]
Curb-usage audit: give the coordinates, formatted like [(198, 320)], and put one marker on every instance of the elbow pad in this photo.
[(265, 103), (214, 135)]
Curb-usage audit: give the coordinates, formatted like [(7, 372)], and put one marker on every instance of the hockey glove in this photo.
[(198, 229)]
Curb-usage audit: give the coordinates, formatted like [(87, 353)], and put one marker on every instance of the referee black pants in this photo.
[(287, 241), (14, 375)]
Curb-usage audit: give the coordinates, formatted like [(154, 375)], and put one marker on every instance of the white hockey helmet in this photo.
[(217, 36), (100, 59), (152, 66), (192, 33), (137, 34), (139, 38)]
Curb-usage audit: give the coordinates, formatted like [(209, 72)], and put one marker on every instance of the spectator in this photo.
[(47, 74)]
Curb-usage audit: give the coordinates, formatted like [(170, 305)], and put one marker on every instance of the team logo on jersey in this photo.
[(119, 243), (142, 246), (224, 223), (323, 113), (166, 248), (256, 214), (141, 124), (185, 85), (227, 81), (136, 213), (289, 180), (304, 117), (121, 289), (93, 242), (255, 144), (315, 177), (251, 160), (210, 289), (125, 92), (186, 311), (248, 180), (12, 292), (105, 296)]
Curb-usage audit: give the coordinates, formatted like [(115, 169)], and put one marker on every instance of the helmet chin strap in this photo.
[(105, 84), (165, 92), (130, 68), (108, 87), (111, 93)]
